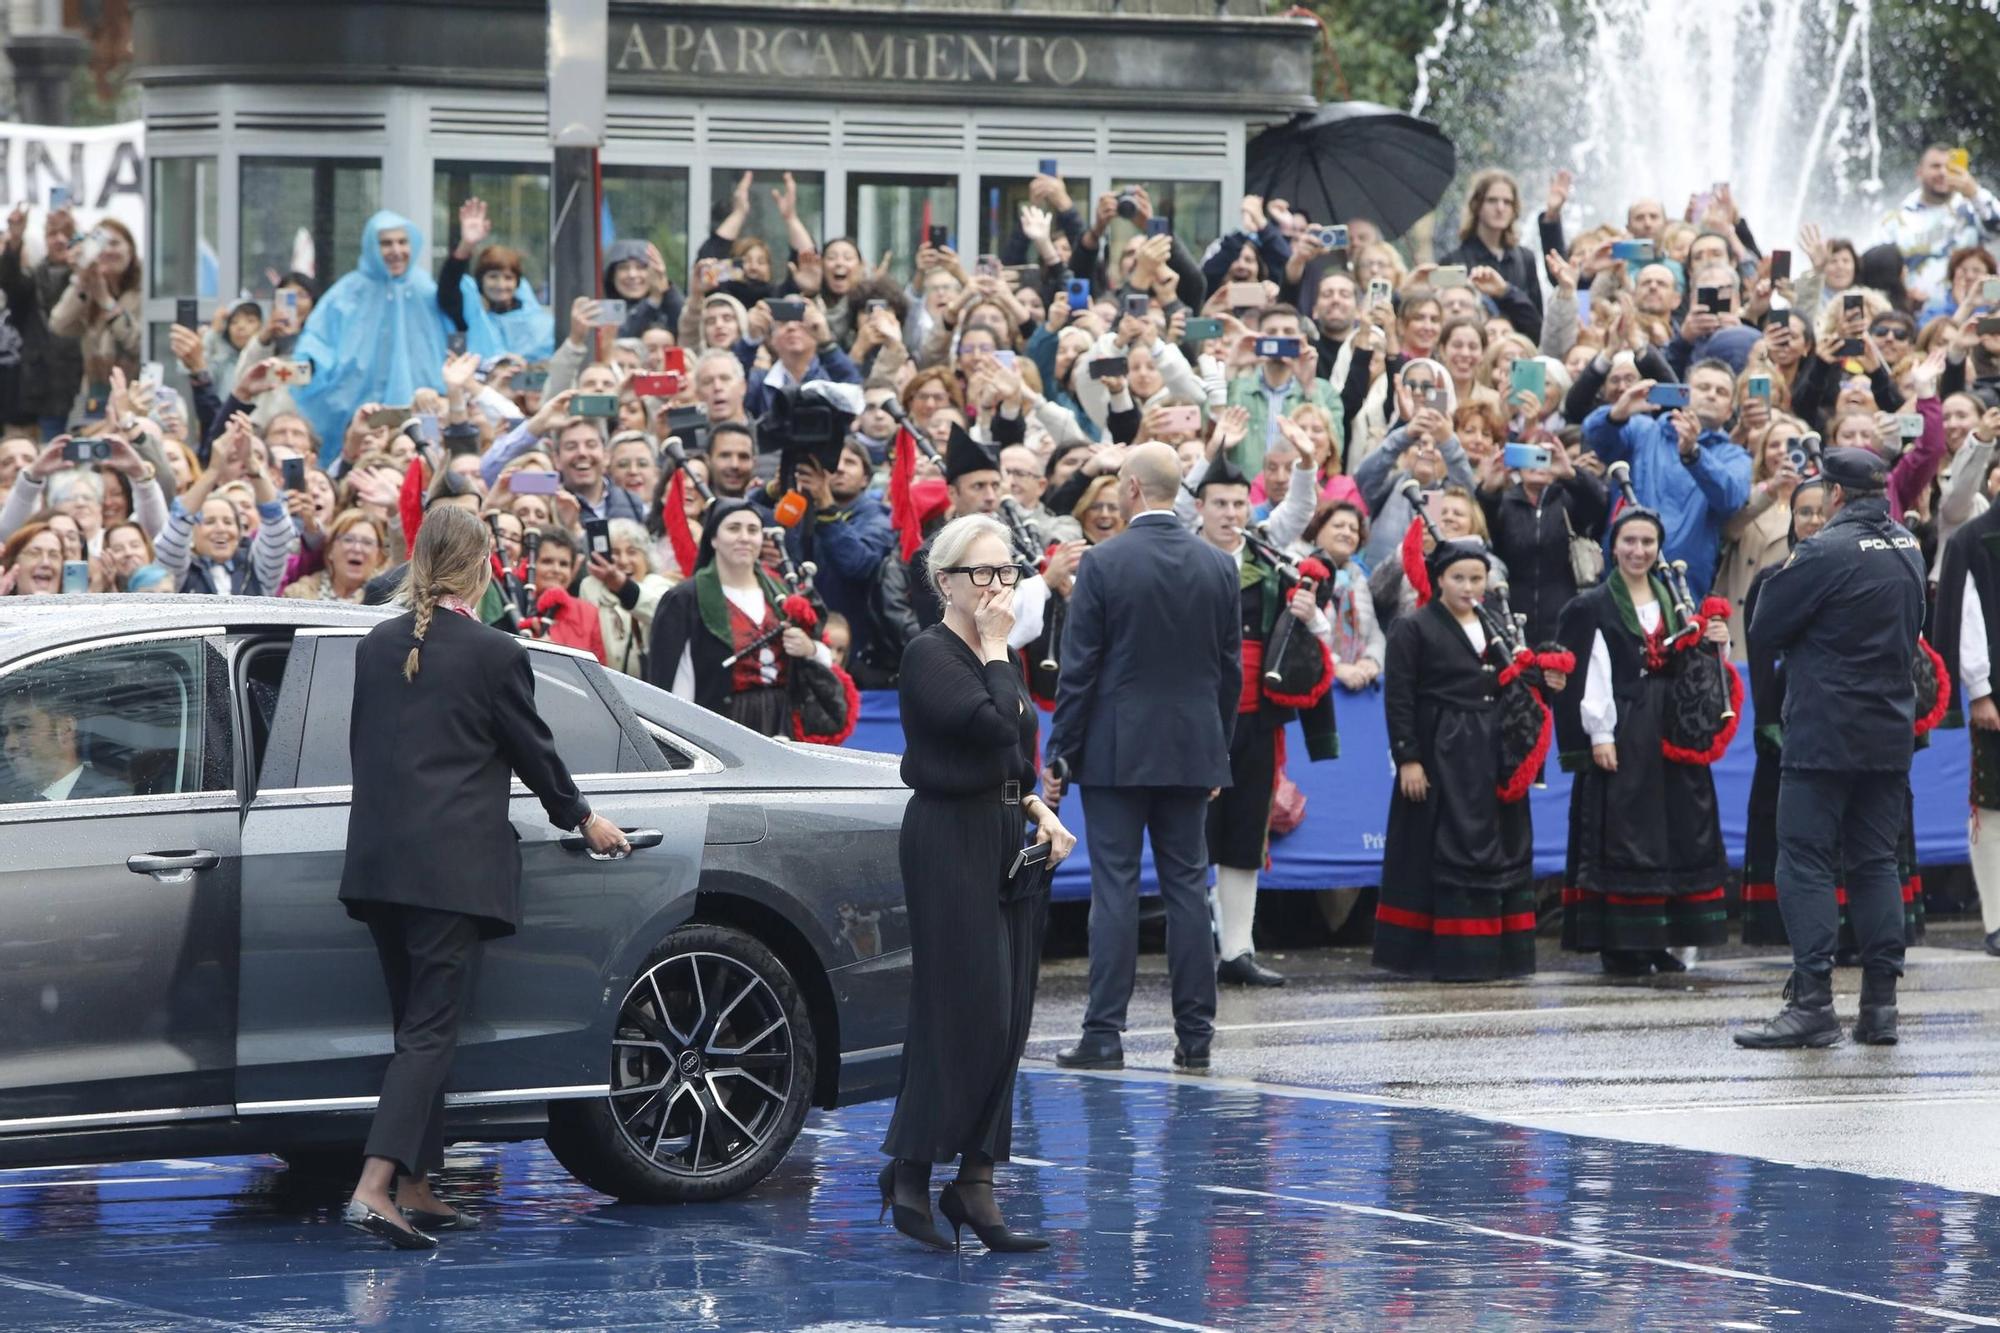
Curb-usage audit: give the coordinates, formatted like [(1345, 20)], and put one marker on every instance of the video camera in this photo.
[(809, 421), (1803, 452)]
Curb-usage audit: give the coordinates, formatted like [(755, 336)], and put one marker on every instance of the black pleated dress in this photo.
[(969, 729), (1457, 899)]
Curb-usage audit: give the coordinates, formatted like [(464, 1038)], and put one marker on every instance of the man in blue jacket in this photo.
[(850, 536), (1683, 463)]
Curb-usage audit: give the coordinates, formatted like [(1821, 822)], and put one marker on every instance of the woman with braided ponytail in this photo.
[(444, 718)]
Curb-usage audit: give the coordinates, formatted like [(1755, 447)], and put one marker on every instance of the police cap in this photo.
[(1856, 469)]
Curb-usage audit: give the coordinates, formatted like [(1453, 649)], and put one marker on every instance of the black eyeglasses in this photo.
[(1896, 331), (982, 576)]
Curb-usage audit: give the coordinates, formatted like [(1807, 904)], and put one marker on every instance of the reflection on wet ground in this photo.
[(1178, 1205)]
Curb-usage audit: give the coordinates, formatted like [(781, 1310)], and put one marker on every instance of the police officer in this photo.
[(1844, 613)]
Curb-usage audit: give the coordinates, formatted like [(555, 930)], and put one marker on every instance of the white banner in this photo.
[(103, 168)]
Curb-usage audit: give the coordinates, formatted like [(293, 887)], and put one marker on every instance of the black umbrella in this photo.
[(1353, 160)]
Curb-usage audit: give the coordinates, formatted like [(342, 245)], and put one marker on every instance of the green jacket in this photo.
[(1247, 392)]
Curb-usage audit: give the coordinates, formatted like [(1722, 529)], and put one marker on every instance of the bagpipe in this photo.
[(825, 703), (1297, 666), (1706, 690), (1527, 727), (1033, 557)]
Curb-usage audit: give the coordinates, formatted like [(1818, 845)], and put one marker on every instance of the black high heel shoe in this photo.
[(994, 1235), (911, 1221)]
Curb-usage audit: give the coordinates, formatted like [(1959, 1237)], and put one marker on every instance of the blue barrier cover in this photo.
[(1347, 800)]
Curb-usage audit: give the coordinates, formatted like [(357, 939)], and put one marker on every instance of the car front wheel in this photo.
[(712, 1072)]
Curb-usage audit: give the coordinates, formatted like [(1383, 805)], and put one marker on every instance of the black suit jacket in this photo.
[(433, 758), (1151, 662)]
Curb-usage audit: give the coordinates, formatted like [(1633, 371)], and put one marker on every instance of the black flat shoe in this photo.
[(994, 1236), (1245, 970), (452, 1221), (1663, 960), (1088, 1054), (1993, 944), (1625, 963), (371, 1223)]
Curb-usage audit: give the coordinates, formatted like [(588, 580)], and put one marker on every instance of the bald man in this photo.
[(1151, 674)]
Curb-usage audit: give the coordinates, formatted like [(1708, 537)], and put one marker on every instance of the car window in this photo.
[(133, 719), (648, 702), (587, 735)]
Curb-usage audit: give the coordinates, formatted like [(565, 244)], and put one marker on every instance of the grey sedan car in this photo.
[(178, 977)]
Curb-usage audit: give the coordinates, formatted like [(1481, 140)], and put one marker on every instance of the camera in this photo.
[(1128, 204), (87, 451), (800, 425), (1331, 238), (1803, 452)]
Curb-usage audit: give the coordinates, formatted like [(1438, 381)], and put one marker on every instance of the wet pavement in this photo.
[(1565, 1153)]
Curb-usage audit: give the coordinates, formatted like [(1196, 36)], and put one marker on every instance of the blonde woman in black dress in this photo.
[(975, 937)]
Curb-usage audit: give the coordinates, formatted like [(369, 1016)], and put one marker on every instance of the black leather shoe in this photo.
[(1626, 963), (1806, 1021), (1245, 970), (371, 1223), (1093, 1053), (1191, 1059), (458, 1220), (1993, 944), (1663, 960)]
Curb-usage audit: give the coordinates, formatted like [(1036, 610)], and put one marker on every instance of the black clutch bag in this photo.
[(1028, 875)]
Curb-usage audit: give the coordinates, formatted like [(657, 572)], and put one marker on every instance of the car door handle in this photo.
[(172, 867), (638, 837)]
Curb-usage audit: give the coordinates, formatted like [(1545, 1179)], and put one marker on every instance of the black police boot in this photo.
[(1877, 1024), (1806, 1020)]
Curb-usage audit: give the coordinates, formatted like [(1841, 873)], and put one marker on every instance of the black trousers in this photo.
[(427, 959), (1822, 815), (1116, 822)]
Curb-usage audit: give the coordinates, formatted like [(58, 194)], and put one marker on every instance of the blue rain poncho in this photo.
[(371, 338), (528, 330)]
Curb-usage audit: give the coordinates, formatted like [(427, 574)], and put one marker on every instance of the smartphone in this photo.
[(428, 430), (1851, 347), (1279, 349), (1158, 226), (1989, 325), (686, 422), (292, 473), (1108, 368), (152, 373), (1668, 395), (597, 537), (1989, 291), (1201, 330), (1959, 160), (1246, 295), (1853, 303), (790, 310), (87, 451), (1431, 396), (938, 237), (1449, 275), (1136, 304), (873, 304), (594, 405), (1183, 419), (1434, 505), (295, 372), (1379, 292), (1708, 298), (1778, 317), (58, 198), (454, 343), (1909, 425), (986, 266), (1760, 387), (667, 384), (1528, 376), (76, 578), (529, 481), (1079, 293), (1519, 456), (1633, 252), (1781, 265), (187, 313), (610, 313), (1004, 358), (386, 418), (1047, 167), (1023, 275), (287, 301), (530, 381)]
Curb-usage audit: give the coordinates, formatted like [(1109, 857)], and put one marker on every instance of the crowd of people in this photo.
[(1343, 402)]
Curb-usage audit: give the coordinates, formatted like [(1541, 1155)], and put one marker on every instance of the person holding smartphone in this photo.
[(444, 718), (976, 915)]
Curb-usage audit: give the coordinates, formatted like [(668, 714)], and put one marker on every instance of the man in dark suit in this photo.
[(44, 753), (1150, 678)]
